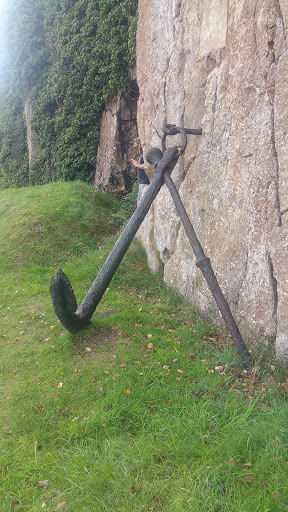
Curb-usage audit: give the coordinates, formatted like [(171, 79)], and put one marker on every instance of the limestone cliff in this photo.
[(118, 128), (33, 150), (222, 66)]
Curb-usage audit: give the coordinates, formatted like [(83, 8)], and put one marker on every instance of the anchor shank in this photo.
[(98, 287)]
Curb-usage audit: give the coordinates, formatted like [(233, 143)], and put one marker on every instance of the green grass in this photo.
[(107, 420)]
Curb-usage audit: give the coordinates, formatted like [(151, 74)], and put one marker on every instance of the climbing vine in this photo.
[(70, 57)]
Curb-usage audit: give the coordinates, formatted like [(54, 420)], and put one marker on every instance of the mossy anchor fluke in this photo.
[(75, 318)]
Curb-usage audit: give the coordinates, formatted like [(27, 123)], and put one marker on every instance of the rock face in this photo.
[(118, 128), (32, 145), (221, 66)]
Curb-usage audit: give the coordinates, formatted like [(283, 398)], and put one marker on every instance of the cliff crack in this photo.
[(274, 286), (279, 10), (177, 9), (276, 160)]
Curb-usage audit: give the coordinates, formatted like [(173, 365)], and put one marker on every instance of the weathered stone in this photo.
[(118, 128), (32, 145), (213, 27), (231, 81)]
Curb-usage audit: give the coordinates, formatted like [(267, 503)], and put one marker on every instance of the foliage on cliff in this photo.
[(69, 57)]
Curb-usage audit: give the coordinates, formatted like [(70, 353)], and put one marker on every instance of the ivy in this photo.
[(13, 150), (70, 56)]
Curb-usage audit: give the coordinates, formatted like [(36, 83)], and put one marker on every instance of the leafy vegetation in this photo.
[(128, 205), (149, 408), (67, 58)]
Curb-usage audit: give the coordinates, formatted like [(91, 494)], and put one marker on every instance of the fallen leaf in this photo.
[(219, 369), (149, 335), (233, 462), (248, 478), (7, 431), (180, 371), (60, 505), (14, 506), (277, 495), (127, 391), (150, 346), (88, 349), (58, 385), (92, 379), (35, 444), (43, 483), (123, 365)]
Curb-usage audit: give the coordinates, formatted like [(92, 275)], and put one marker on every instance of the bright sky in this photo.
[(1, 9), (2, 4), (2, 62)]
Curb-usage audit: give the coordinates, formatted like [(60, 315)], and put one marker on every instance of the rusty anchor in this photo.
[(75, 318)]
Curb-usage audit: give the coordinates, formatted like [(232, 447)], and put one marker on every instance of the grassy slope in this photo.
[(108, 421)]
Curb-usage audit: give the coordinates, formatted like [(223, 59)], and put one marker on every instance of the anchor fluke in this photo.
[(65, 303)]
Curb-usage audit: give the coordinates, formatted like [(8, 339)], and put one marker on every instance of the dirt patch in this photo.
[(106, 337), (37, 226), (104, 314)]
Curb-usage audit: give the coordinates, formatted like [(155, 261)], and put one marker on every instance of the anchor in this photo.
[(75, 318)]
